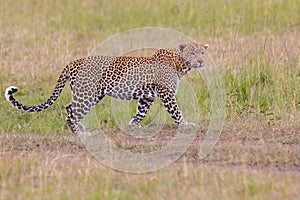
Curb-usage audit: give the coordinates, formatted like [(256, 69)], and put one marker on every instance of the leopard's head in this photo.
[(194, 54)]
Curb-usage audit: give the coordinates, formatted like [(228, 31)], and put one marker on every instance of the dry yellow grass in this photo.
[(255, 162), (254, 43)]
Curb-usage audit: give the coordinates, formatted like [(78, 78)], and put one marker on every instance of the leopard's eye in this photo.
[(202, 52)]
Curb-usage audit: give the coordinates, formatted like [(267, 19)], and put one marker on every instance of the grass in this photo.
[(51, 167), (254, 44), (176, 182)]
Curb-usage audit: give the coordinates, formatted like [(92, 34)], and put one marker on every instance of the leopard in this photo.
[(141, 78)]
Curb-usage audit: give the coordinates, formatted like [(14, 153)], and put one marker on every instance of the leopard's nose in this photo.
[(201, 63)]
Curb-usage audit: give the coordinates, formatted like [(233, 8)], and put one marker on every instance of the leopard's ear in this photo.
[(182, 46), (206, 46)]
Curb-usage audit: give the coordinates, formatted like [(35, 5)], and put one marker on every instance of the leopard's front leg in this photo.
[(169, 101), (141, 111)]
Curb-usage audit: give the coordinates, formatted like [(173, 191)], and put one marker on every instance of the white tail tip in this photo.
[(9, 91)]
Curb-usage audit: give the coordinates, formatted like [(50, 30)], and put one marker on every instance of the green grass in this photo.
[(220, 18), (41, 38), (255, 44), (263, 88)]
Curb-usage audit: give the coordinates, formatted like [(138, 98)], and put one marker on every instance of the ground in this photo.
[(254, 44), (258, 160)]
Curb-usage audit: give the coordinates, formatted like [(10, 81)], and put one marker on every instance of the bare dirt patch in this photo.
[(248, 143)]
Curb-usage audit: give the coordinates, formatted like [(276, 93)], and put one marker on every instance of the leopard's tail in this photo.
[(56, 93)]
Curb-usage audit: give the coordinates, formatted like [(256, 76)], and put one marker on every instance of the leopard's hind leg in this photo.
[(76, 111), (73, 124)]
